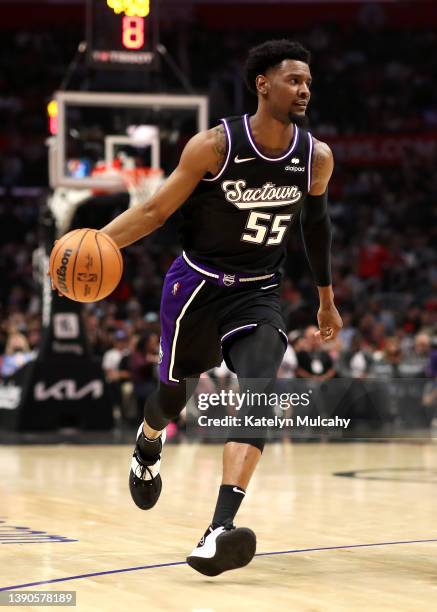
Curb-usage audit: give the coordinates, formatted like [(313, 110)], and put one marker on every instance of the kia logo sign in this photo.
[(67, 390)]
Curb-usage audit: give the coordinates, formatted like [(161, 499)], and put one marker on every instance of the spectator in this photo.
[(356, 361), (142, 364), (415, 363), (17, 354), (289, 362), (386, 363), (429, 399), (312, 361), (113, 357), (114, 367)]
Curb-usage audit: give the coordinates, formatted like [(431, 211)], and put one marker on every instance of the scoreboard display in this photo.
[(120, 40)]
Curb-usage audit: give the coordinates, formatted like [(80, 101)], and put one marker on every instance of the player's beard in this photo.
[(301, 121)]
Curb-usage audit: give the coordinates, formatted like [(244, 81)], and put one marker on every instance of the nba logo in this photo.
[(175, 288), (228, 279)]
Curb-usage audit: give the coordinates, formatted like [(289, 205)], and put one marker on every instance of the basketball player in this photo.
[(240, 186)]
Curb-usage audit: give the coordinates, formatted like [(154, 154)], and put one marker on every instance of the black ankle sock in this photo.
[(228, 502), (149, 448)]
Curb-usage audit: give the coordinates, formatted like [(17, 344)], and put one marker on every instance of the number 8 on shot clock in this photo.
[(122, 34)]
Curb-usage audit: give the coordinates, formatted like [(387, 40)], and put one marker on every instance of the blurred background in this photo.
[(374, 102)]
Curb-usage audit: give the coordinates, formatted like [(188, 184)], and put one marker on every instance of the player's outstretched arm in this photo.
[(203, 153), (316, 234)]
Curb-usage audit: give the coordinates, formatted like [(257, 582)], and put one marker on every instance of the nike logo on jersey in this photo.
[(235, 490), (241, 160), (260, 197)]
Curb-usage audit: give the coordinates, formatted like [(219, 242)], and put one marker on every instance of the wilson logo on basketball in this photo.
[(259, 197), (98, 265), (61, 272)]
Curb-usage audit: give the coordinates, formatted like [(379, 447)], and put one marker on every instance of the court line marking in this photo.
[(372, 474), (174, 563)]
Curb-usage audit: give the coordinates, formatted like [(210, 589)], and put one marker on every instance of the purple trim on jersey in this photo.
[(270, 159), (229, 143), (181, 286), (225, 279), (310, 160)]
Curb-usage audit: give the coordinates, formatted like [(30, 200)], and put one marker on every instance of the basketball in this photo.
[(85, 265)]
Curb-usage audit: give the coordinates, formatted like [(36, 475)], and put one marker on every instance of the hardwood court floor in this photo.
[(295, 504)]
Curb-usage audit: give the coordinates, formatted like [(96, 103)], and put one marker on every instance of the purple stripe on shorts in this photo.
[(180, 286), (238, 329)]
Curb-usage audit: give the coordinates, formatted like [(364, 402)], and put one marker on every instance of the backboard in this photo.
[(108, 130)]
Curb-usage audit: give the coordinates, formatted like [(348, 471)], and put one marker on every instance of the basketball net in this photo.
[(63, 203), (141, 183)]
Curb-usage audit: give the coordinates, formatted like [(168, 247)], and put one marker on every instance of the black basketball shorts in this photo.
[(203, 310)]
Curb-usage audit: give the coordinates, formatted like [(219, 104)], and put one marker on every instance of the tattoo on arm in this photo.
[(318, 161), (219, 147), (322, 163)]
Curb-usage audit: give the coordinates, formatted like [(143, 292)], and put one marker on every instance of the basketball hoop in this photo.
[(111, 174), (141, 183)]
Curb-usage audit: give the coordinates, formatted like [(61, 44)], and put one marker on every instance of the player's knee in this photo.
[(171, 412), (258, 354), (171, 400)]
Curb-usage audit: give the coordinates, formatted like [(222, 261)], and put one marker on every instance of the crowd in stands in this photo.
[(366, 79)]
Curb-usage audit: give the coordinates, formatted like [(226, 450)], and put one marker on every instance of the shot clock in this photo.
[(123, 39)]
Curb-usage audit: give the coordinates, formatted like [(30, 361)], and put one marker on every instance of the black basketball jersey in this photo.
[(238, 220)]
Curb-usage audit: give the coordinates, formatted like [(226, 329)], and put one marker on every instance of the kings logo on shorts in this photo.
[(61, 272)]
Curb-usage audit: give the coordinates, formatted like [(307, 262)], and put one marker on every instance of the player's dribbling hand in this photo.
[(330, 323), (50, 276), (53, 286)]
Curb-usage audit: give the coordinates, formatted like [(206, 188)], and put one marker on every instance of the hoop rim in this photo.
[(141, 171), (141, 178)]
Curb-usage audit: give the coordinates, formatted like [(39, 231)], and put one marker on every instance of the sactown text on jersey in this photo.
[(260, 197)]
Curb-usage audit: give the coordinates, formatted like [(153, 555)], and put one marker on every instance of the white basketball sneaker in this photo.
[(223, 548), (145, 482)]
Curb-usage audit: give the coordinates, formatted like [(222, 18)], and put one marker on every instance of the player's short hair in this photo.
[(270, 54)]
